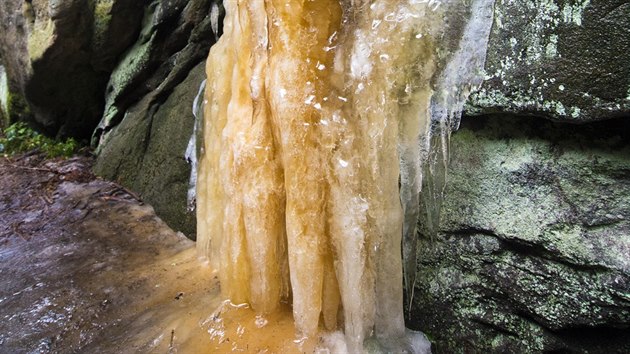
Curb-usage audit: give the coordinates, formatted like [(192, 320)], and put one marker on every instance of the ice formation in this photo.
[(322, 118), (192, 147)]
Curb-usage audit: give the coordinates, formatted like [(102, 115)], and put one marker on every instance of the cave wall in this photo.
[(119, 74), (147, 119), (59, 54), (533, 248)]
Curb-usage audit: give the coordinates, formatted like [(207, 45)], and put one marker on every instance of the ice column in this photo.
[(320, 122)]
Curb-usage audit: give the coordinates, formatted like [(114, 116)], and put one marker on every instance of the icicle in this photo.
[(214, 20), (462, 74), (457, 75)]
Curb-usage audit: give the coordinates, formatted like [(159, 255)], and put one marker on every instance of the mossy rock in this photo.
[(145, 152), (51, 59), (561, 59), (532, 250)]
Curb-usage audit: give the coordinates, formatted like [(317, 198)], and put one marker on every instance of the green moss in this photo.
[(129, 66), (534, 227), (19, 137), (40, 39), (521, 101), (16, 108), (102, 19)]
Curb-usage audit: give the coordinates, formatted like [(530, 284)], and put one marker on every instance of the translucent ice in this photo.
[(324, 121)]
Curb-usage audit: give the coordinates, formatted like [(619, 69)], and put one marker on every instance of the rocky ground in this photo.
[(85, 264)]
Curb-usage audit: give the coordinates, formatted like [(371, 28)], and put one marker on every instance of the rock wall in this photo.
[(148, 118), (567, 60), (533, 249), (534, 243), (59, 54), (146, 152), (118, 73)]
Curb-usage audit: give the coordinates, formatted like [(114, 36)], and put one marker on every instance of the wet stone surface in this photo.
[(83, 264)]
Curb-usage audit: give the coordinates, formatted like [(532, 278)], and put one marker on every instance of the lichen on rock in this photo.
[(558, 59), (532, 250)]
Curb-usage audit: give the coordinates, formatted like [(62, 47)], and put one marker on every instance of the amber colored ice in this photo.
[(320, 123)]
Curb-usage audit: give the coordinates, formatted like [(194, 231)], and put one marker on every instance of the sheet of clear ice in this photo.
[(192, 149)]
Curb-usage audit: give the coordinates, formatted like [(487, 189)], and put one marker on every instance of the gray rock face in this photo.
[(148, 118), (533, 252), (73, 63), (567, 60), (175, 36), (145, 152), (59, 54), (13, 54)]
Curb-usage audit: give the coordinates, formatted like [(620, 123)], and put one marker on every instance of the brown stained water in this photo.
[(85, 267)]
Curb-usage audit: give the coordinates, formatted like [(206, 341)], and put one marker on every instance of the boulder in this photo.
[(175, 36), (148, 119), (72, 63), (532, 253), (563, 60), (59, 55), (145, 152)]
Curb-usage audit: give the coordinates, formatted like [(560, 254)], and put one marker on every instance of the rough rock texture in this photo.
[(534, 243), (146, 152), (73, 63), (148, 115), (563, 59), (59, 55), (175, 36), (13, 54), (533, 253)]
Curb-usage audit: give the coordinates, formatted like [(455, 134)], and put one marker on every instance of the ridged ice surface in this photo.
[(322, 118)]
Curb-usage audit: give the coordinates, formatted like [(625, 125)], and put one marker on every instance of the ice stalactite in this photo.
[(322, 117), (460, 63)]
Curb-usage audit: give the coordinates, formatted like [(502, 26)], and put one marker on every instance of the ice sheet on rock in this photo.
[(214, 20), (192, 149), (462, 74), (424, 156)]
